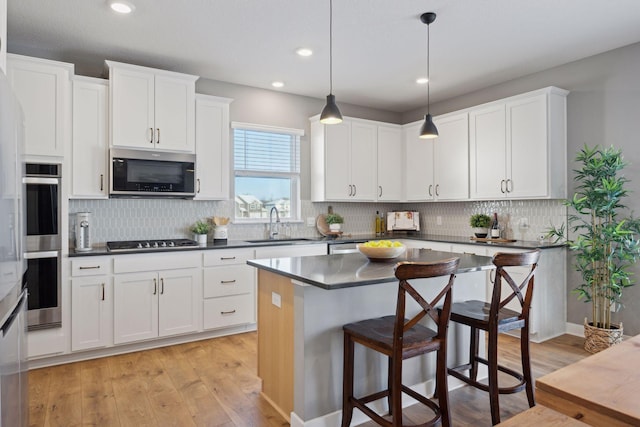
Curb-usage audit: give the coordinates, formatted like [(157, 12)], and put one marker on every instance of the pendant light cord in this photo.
[(428, 73), (330, 46)]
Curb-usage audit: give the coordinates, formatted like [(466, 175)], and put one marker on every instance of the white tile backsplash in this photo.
[(132, 219)]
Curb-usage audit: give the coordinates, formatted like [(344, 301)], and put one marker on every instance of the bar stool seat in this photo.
[(400, 338), (494, 318)]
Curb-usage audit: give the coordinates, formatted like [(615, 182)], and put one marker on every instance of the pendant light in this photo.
[(428, 129), (331, 113)]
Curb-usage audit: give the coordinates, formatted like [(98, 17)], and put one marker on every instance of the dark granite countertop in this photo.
[(354, 269), (229, 244)]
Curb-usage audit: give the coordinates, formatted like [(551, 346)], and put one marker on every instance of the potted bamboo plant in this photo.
[(605, 245)]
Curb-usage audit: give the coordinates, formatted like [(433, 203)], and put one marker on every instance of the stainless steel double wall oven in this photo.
[(43, 244)]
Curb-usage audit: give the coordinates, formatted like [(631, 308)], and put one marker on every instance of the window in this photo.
[(266, 163)]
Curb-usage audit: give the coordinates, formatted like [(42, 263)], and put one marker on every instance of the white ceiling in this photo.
[(379, 45)]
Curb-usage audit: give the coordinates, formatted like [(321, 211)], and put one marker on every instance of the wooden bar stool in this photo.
[(400, 339), (495, 317)]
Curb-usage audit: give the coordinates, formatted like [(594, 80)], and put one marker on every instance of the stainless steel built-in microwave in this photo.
[(139, 173)]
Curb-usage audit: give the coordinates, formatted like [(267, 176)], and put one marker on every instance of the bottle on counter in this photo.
[(383, 224), (378, 225), (495, 228)]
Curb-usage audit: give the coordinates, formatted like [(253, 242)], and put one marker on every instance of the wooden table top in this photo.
[(540, 416), (607, 382)]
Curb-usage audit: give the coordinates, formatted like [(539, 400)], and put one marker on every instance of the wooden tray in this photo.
[(487, 239)]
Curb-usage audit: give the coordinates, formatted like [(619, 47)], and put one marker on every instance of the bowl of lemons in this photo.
[(381, 250)]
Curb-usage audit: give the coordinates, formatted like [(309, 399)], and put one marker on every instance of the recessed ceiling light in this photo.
[(121, 6), (277, 84), (422, 80), (304, 51)]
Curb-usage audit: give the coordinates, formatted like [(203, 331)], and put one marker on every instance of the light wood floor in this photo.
[(214, 383)]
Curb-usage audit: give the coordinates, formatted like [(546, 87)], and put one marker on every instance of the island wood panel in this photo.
[(275, 341), (601, 390), (541, 416)]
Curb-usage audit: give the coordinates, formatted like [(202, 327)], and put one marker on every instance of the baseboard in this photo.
[(575, 329)]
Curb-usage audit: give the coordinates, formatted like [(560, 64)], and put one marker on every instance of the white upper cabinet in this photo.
[(343, 160), (518, 147), (419, 185), (390, 156), (451, 157), (212, 147), (90, 148), (151, 109), (43, 90)]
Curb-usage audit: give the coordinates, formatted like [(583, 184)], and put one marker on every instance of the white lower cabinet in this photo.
[(228, 288), (155, 304), (91, 303)]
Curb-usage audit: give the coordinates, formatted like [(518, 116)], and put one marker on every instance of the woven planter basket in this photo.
[(598, 339)]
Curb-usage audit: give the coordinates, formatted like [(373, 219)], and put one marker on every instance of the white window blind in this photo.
[(266, 151)]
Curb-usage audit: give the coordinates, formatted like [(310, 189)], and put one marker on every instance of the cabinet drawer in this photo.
[(228, 280), (228, 311), (90, 267), (214, 258), (155, 262)]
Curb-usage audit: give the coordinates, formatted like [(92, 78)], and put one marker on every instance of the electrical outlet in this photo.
[(276, 299), (438, 220), (311, 221)]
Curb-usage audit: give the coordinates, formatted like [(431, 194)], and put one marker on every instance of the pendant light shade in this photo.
[(331, 113), (428, 129)]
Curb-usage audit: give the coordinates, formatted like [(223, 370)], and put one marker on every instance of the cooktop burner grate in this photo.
[(137, 245)]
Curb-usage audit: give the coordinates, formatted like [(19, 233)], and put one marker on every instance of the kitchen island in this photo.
[(303, 303)]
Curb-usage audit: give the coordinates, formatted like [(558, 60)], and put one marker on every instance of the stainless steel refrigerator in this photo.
[(13, 294)]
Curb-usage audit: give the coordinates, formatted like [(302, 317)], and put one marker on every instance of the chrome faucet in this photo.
[(273, 227)]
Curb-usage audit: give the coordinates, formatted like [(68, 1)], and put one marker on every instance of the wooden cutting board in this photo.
[(486, 239)]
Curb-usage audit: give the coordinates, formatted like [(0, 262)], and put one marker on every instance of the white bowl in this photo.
[(376, 254)]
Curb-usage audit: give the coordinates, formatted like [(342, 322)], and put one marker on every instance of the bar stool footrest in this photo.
[(457, 373)]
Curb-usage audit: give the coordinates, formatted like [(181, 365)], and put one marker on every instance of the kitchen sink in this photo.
[(293, 240)]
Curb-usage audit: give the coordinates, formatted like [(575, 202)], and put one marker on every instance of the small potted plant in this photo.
[(200, 230), (480, 223), (335, 221)]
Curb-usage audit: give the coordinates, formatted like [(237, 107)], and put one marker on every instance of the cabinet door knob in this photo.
[(437, 189), (103, 292), (161, 286), (151, 137), (158, 136), (503, 184), (380, 187), (198, 185), (355, 190), (430, 190), (155, 286), (509, 185), (101, 182)]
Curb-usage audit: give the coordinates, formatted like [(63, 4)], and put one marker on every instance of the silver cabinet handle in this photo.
[(222, 258), (91, 267), (228, 281), (151, 137), (161, 286), (155, 286), (430, 190), (380, 187), (503, 184), (101, 182), (158, 137), (103, 292), (198, 185), (350, 190), (355, 190), (227, 312), (509, 185), (437, 189)]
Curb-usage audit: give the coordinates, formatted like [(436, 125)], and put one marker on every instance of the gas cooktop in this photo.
[(137, 245)]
